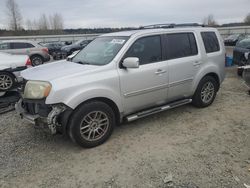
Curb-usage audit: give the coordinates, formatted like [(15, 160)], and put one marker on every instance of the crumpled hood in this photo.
[(56, 70)]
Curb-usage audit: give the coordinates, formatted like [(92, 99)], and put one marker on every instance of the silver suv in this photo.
[(124, 76), (37, 53)]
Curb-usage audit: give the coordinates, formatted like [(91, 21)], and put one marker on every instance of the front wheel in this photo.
[(205, 92), (7, 81), (92, 124)]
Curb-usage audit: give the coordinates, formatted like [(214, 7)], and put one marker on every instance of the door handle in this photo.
[(160, 71), (196, 63)]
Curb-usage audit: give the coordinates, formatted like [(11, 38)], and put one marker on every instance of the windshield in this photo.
[(79, 41), (244, 43), (101, 51), (233, 37)]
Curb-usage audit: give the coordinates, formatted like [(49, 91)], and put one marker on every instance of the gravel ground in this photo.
[(182, 148)]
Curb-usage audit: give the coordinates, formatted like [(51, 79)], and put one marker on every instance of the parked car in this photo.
[(233, 39), (124, 76), (54, 47), (246, 76), (69, 49), (37, 53), (241, 53), (10, 67)]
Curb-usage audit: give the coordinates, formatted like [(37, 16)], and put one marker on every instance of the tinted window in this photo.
[(181, 45), (28, 45), (18, 45), (21, 45), (210, 41), (147, 49), (4, 46)]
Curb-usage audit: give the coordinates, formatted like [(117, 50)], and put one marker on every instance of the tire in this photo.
[(84, 118), (36, 60), (209, 87), (7, 81), (239, 71)]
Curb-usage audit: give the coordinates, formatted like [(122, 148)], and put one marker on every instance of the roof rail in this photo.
[(171, 25)]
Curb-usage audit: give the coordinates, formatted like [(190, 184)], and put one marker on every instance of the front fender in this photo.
[(76, 98)]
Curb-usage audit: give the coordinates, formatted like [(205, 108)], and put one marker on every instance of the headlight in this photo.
[(36, 90)]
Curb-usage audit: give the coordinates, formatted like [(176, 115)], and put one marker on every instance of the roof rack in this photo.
[(171, 25)]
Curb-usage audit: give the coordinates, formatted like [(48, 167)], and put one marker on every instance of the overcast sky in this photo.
[(122, 13)]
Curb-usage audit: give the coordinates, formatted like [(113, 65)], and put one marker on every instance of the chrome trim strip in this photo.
[(148, 90), (180, 82), (151, 89)]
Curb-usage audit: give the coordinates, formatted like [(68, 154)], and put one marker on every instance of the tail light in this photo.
[(28, 63), (46, 50)]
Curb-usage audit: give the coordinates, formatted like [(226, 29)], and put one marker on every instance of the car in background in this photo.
[(10, 68), (78, 45), (54, 47), (38, 54), (233, 39), (241, 53)]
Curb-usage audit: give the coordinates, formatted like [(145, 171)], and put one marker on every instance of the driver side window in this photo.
[(147, 49)]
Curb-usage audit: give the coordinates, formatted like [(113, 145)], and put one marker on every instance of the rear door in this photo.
[(147, 85), (184, 62)]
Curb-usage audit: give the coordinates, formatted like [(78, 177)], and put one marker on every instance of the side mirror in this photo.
[(131, 62)]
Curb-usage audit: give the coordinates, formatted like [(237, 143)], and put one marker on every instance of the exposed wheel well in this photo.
[(108, 102), (4, 71), (216, 77)]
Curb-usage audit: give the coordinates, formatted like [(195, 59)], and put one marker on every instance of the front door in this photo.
[(147, 85)]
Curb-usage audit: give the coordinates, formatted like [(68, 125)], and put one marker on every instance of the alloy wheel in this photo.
[(6, 82), (94, 125), (207, 92)]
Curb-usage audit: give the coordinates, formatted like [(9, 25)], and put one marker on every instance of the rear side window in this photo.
[(28, 45), (180, 45), (21, 45), (147, 49), (210, 41)]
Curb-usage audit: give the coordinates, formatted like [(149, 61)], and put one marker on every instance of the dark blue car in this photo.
[(241, 53)]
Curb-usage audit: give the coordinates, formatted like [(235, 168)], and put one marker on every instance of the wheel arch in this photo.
[(34, 55), (9, 72), (213, 74), (105, 100), (216, 77)]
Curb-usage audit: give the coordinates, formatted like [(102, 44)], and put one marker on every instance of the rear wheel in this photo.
[(36, 60), (205, 92), (243, 62), (92, 124), (7, 81), (239, 71)]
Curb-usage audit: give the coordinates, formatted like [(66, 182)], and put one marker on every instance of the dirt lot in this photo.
[(192, 147)]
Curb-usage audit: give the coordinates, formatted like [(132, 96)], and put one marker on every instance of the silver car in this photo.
[(124, 76), (37, 53)]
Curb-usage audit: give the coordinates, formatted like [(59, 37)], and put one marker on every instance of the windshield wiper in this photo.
[(83, 62)]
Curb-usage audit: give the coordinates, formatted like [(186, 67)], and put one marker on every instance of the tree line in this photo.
[(44, 24)]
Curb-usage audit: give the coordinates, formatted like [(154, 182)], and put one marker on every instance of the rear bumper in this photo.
[(38, 113)]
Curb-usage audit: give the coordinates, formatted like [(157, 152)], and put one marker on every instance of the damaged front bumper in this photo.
[(39, 113)]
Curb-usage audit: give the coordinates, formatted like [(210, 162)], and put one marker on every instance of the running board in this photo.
[(155, 110)]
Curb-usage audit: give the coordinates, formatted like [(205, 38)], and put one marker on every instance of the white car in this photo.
[(10, 67)]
